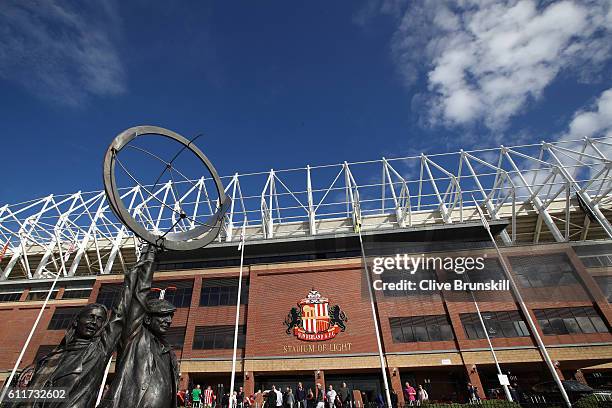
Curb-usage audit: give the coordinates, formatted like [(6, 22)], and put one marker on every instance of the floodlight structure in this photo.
[(548, 192)]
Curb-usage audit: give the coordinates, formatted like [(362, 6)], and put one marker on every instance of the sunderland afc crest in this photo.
[(314, 319)]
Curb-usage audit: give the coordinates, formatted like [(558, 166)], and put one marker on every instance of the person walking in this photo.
[(240, 398), (422, 395), (310, 399), (271, 397), (300, 396), (279, 397), (473, 396), (195, 396), (409, 394), (320, 397), (289, 398), (180, 398), (345, 395), (209, 397), (259, 399), (233, 400), (364, 399), (331, 396)]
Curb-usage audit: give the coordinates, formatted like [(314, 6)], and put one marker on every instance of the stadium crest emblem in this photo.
[(315, 320)]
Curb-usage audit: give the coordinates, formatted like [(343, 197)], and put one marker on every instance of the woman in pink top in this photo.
[(409, 394)]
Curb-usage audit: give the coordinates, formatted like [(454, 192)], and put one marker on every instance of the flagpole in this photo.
[(524, 309), (241, 249), (383, 366), (486, 333)]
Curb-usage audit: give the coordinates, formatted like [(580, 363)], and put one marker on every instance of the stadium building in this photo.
[(305, 310)]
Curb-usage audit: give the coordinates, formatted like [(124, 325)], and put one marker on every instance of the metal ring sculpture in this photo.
[(197, 237)]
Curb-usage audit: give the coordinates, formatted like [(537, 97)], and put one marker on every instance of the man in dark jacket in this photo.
[(300, 396), (147, 371), (271, 398), (345, 395), (79, 362)]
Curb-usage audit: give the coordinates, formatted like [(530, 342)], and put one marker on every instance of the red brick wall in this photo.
[(275, 289), (274, 292)]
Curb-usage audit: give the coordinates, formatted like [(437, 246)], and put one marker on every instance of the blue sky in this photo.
[(285, 84)]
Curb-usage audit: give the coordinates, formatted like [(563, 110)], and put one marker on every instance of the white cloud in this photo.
[(60, 50), (595, 122), (485, 61)]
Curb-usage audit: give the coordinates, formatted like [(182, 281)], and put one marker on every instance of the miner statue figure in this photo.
[(78, 363), (146, 373), (147, 370)]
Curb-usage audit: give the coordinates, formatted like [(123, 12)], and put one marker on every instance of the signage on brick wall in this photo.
[(314, 319)]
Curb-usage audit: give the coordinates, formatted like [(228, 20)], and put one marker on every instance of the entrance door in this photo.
[(370, 384)]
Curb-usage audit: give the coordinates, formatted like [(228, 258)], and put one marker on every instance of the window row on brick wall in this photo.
[(605, 284), (498, 324), (62, 318), (218, 337), (539, 271), (10, 296), (504, 324), (214, 292), (76, 293), (421, 328), (223, 292), (570, 320), (78, 290)]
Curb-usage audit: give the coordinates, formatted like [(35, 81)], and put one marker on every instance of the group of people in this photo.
[(197, 398), (412, 396), (302, 398), (275, 397)]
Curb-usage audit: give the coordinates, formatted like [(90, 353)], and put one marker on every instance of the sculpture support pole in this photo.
[(27, 343), (241, 248)]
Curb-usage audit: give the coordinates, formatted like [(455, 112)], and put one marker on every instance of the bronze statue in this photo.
[(146, 374), (79, 362)]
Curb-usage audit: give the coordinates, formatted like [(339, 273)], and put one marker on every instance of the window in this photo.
[(595, 256), (543, 270), (10, 297), (218, 337), (498, 324), (605, 284), (41, 294), (223, 292), (62, 318), (570, 320), (109, 294), (420, 328), (181, 297), (492, 271), (176, 337), (76, 294)]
